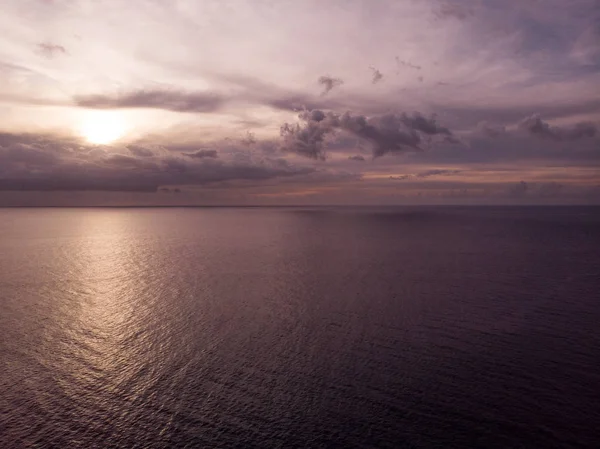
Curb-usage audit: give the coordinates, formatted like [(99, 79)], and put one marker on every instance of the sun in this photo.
[(102, 127)]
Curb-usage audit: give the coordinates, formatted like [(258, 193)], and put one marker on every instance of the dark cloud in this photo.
[(26, 155), (400, 62), (308, 139), (71, 183), (470, 116), (183, 147), (329, 83), (140, 151), (425, 174), (173, 164), (49, 142), (202, 154), (452, 10), (427, 125), (130, 161), (388, 133), (32, 162), (357, 158), (536, 126), (512, 147), (436, 172), (51, 50), (244, 91), (377, 75), (156, 99), (206, 102)]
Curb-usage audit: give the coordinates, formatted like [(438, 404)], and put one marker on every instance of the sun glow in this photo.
[(102, 127)]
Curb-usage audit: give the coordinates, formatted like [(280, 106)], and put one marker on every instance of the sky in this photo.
[(299, 102)]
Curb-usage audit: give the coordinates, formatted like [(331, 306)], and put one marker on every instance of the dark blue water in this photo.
[(414, 327)]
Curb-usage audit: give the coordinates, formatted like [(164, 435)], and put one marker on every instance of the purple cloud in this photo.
[(357, 158), (202, 154), (388, 133), (400, 62), (436, 172), (176, 101), (536, 126), (453, 10), (329, 83), (140, 151), (46, 163), (377, 75)]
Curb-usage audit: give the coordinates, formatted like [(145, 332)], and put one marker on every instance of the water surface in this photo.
[(365, 327)]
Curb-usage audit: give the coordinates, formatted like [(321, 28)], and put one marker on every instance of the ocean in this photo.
[(416, 327)]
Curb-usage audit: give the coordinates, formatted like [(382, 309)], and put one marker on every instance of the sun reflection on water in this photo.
[(104, 349)]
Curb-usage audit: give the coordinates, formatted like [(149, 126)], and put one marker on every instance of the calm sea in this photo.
[(366, 327)]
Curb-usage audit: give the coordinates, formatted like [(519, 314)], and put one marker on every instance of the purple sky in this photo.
[(153, 102)]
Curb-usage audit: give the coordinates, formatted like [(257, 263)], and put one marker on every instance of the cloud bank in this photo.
[(50, 163)]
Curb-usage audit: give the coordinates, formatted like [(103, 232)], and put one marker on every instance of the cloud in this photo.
[(202, 154), (140, 151), (244, 92), (436, 172), (388, 133), (26, 155), (329, 83), (357, 158), (377, 75), (400, 62), (536, 126), (74, 183), (125, 161), (51, 50), (424, 124), (425, 174), (46, 163), (308, 139), (452, 10), (171, 100)]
